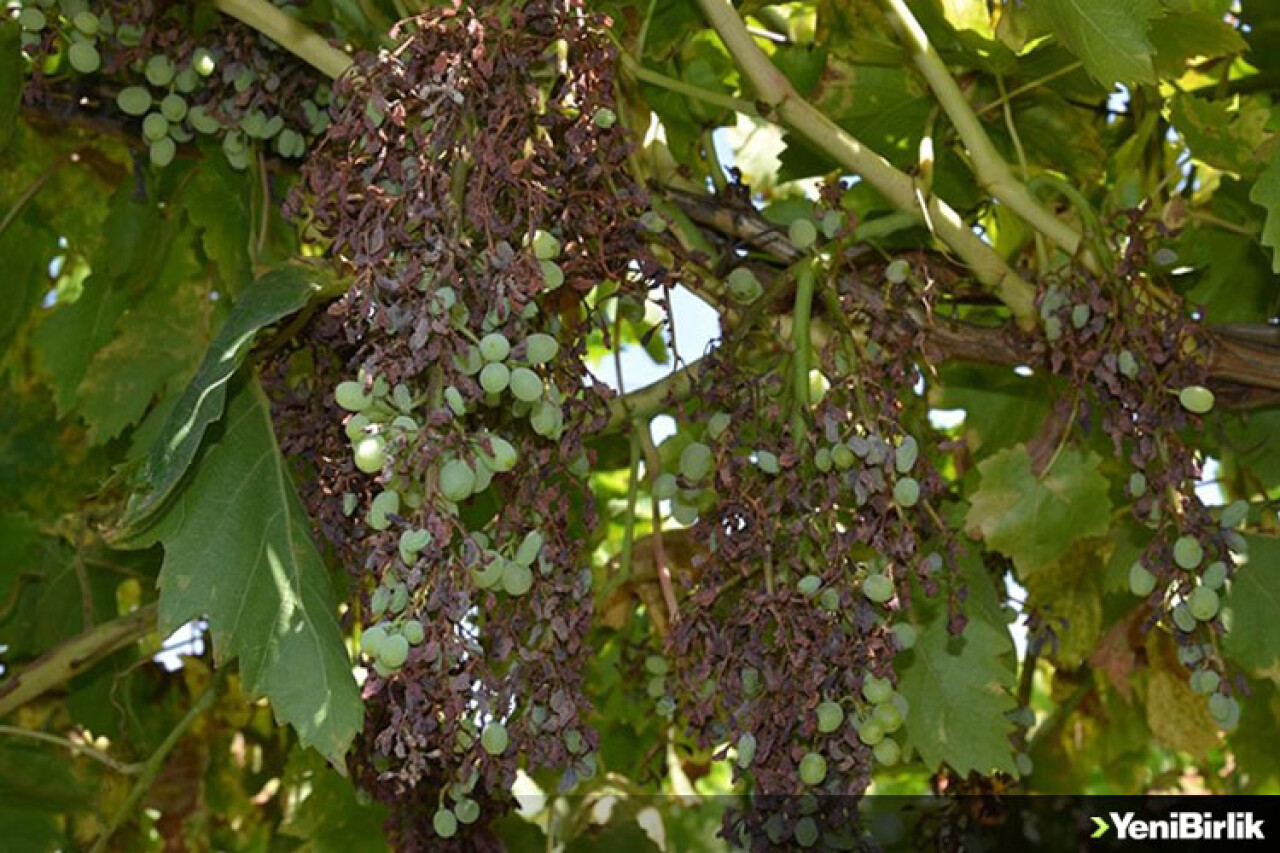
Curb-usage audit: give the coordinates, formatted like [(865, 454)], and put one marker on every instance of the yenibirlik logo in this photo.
[(1182, 826)]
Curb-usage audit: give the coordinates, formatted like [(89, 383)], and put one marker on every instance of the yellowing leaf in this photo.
[(1109, 37)]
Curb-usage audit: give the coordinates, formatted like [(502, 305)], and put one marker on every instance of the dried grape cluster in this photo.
[(473, 181), (1146, 376), (180, 71)]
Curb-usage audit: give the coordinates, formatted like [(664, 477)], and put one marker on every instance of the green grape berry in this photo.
[(198, 117), (802, 233), (552, 275), (819, 385), (832, 222), (1137, 484), (155, 127), (529, 548), (767, 461), (546, 419), (809, 585), (525, 385), (545, 246), (162, 152), (1234, 514), (203, 62), (399, 597), (1183, 619), (822, 459), (746, 749), (905, 635), (516, 579), (1024, 764), (870, 732), (494, 347), (173, 108), (1215, 575), (1196, 399), (830, 715), (495, 377), (904, 458), (467, 810), (906, 492), (878, 588), (453, 398), (1127, 363), (813, 769), (457, 480), (1080, 316), (494, 738), (696, 461), (370, 454), (656, 664), (541, 348), (384, 504), (1141, 582), (876, 690), (806, 832), (413, 632), (394, 651), (371, 640), (743, 285), (1205, 681), (32, 20), (356, 426), (896, 271), (159, 70), (887, 752), (134, 100), (1203, 603), (444, 823), (829, 599), (1225, 710), (86, 22), (718, 424), (665, 487), (504, 455), (604, 118), (842, 457), (1187, 552), (888, 716)]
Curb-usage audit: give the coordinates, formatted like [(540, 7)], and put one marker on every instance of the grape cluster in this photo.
[(1141, 362), (178, 79), (473, 180)]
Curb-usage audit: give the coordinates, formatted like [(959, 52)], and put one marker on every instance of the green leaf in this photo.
[(1254, 639), (216, 202), (1266, 192), (10, 79), (1110, 38), (238, 550), (273, 296), (1001, 408), (1035, 520), (68, 339), (958, 689), (1183, 36), (329, 817), (1222, 137)]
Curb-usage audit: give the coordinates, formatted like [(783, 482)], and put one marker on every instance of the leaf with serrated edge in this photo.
[(1266, 192), (1109, 37), (1254, 639), (273, 296), (1035, 520), (238, 550)]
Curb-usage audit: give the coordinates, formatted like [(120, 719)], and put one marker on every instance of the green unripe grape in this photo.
[(830, 715), (545, 246), (870, 732), (696, 461), (1127, 363), (394, 652), (371, 640), (888, 716), (155, 127), (905, 635), (495, 377), (746, 749), (552, 275), (467, 810), (818, 386), (1141, 582), (829, 599), (1183, 619), (484, 477), (604, 118), (896, 271), (718, 424), (1187, 552), (905, 456), (413, 541), (876, 690), (813, 769), (133, 100), (370, 454), (504, 455), (271, 127), (84, 57), (1203, 603), (878, 588), (656, 688), (1196, 399), (356, 426), (1137, 484), (822, 459), (1225, 710), (906, 492), (802, 233), (1165, 257), (1080, 316), (516, 579), (767, 462), (86, 22), (1205, 681), (1236, 512), (743, 285), (290, 143), (665, 487), (843, 457), (1024, 764), (887, 752), (494, 347), (683, 512), (546, 419), (494, 738), (457, 480), (1215, 575), (162, 152), (186, 81), (159, 70), (444, 823), (453, 397), (806, 832), (384, 504), (809, 585), (529, 548), (832, 222), (32, 19), (173, 108), (199, 118), (1053, 328), (525, 385), (130, 35), (399, 595), (491, 575), (541, 348), (656, 664), (203, 62)]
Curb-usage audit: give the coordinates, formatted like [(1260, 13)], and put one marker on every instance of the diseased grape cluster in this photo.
[(178, 74), (473, 181), (1145, 381)]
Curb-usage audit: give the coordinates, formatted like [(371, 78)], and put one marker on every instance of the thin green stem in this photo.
[(1042, 256), (75, 746), (991, 169), (649, 400), (633, 493), (671, 84), (800, 358), (898, 188), (1027, 87), (653, 468), (290, 33), (151, 768)]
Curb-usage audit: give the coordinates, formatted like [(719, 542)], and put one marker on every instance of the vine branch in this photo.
[(293, 35)]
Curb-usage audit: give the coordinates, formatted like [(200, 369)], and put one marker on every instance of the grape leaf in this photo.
[(1110, 38), (68, 339), (1176, 715), (10, 79), (958, 689), (238, 550), (275, 295), (1226, 139), (216, 204), (1266, 192), (1254, 638), (1035, 520), (1069, 601), (330, 819), (1183, 36)]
